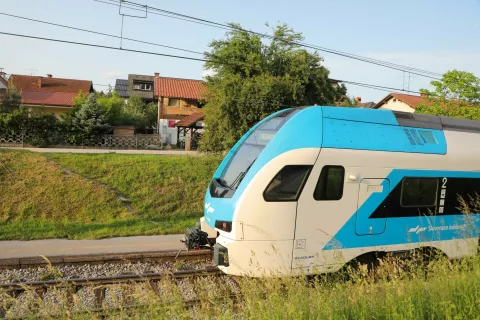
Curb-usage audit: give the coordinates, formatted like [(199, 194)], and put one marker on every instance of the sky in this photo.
[(433, 35)]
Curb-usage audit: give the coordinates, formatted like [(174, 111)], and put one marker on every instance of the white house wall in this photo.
[(397, 106), (169, 135)]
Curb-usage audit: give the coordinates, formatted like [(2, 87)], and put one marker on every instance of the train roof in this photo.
[(374, 130), (404, 119)]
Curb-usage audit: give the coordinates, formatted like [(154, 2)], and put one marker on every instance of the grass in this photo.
[(442, 290), (39, 200)]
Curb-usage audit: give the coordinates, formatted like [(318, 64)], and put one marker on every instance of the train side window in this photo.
[(287, 184), (330, 183), (419, 192)]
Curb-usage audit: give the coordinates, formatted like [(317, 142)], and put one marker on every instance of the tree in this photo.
[(91, 120), (346, 102), (253, 79), (140, 114), (114, 105), (456, 95), (11, 100)]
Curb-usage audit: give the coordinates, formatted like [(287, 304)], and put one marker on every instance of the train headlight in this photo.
[(224, 225)]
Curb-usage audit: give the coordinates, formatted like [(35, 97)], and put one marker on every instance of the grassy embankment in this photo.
[(39, 199), (445, 290)]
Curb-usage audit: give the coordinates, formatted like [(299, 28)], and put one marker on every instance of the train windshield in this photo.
[(251, 148)]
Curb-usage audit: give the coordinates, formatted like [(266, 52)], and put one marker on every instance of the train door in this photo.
[(327, 202), (370, 191)]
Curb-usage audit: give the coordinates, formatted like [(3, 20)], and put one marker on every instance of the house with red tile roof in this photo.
[(400, 102), (54, 95), (178, 99)]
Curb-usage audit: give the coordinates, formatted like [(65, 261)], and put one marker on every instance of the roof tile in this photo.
[(64, 99), (191, 119), (31, 83), (179, 88)]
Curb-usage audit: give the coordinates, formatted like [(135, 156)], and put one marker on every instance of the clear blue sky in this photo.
[(436, 35)]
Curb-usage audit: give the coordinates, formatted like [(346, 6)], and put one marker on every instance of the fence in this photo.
[(138, 141)]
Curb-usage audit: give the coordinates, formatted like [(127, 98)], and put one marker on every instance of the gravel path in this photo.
[(99, 270)]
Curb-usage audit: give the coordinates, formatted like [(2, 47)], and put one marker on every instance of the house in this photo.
[(54, 95), (140, 85), (400, 102), (177, 99), (3, 82), (365, 105)]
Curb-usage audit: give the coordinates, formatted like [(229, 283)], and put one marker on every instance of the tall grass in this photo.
[(441, 290)]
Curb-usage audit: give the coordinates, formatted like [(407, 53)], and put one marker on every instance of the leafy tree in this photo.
[(91, 120), (140, 114), (10, 100), (114, 105), (457, 95), (347, 102), (253, 78)]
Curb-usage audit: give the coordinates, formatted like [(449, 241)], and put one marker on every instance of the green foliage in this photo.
[(114, 105), (346, 102), (91, 120), (10, 100), (457, 95), (40, 129), (254, 79), (140, 114)]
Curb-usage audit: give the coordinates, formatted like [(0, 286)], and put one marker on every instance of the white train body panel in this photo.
[(301, 232)]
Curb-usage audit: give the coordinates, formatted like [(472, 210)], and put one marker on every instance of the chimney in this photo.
[(157, 74), (49, 75), (2, 75), (39, 83), (358, 99)]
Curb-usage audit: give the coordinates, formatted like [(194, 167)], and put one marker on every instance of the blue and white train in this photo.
[(307, 190)]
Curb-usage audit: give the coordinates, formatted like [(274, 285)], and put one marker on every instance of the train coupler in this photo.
[(196, 239)]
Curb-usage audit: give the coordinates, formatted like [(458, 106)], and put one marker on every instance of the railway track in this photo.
[(100, 285), (102, 258)]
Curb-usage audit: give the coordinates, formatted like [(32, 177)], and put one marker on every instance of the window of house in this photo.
[(419, 192), (191, 103), (143, 86), (330, 183), (394, 100), (173, 102), (287, 184)]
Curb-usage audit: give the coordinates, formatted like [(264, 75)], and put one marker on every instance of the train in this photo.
[(309, 189)]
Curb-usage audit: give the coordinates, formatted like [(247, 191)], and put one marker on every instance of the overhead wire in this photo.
[(174, 15), (174, 56), (98, 33), (101, 46)]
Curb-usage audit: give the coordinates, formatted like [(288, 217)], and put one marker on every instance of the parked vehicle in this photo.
[(309, 189)]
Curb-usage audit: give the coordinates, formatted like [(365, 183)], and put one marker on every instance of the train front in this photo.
[(238, 221)]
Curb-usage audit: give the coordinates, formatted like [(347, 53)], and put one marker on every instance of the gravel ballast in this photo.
[(96, 270)]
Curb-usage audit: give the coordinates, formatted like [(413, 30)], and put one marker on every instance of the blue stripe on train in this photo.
[(409, 229)]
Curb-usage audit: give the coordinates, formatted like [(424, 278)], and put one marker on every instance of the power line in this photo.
[(99, 33), (174, 15), (372, 86), (156, 13), (376, 87), (101, 46)]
